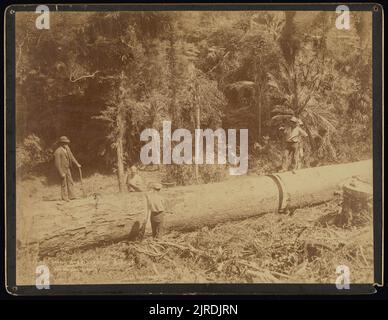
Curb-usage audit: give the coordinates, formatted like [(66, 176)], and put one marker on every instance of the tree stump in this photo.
[(357, 204)]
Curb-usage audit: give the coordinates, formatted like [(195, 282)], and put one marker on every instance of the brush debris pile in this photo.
[(270, 249)]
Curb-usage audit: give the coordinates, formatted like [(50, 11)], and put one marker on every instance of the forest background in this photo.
[(100, 78)]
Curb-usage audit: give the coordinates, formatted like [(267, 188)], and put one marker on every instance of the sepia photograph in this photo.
[(192, 146)]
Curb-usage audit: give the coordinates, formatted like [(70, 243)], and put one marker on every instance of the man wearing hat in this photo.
[(293, 135), (156, 205), (64, 158)]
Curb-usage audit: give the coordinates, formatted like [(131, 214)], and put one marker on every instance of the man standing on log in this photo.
[(293, 135), (63, 161), (156, 204)]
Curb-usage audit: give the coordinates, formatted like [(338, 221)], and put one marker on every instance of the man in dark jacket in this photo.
[(157, 207), (64, 159)]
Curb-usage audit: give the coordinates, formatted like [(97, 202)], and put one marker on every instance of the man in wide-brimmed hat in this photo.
[(293, 136), (64, 159)]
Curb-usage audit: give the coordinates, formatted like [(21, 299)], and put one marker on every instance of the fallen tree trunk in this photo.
[(97, 220), (315, 185)]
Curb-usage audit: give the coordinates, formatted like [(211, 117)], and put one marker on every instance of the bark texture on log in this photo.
[(85, 223), (94, 221), (314, 185)]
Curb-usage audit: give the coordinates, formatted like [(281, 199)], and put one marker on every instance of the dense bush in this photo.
[(185, 174), (30, 154), (204, 69)]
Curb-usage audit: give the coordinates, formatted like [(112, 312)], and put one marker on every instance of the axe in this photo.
[(84, 195)]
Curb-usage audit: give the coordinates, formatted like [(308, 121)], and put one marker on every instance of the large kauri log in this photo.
[(110, 218)]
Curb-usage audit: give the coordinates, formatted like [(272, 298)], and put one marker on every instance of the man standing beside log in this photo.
[(64, 158), (157, 207)]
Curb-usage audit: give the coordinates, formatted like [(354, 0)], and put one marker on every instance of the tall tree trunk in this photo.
[(120, 150), (172, 62), (259, 105), (121, 128), (257, 132), (198, 126)]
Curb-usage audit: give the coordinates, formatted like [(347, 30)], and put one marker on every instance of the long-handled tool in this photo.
[(84, 195)]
